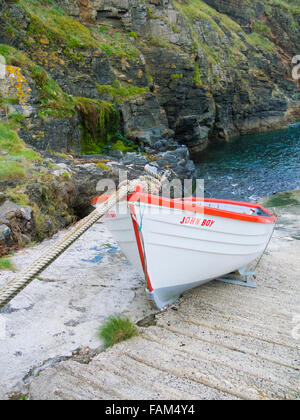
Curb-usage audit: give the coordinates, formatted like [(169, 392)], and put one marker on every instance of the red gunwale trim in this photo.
[(185, 205), (216, 200), (182, 205)]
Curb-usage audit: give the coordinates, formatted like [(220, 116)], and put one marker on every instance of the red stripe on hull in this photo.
[(140, 246)]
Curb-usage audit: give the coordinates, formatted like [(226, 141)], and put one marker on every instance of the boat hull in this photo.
[(176, 250)]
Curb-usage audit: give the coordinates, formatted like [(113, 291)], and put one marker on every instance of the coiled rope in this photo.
[(16, 285)]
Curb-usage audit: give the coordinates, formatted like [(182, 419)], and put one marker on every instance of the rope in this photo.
[(262, 255), (16, 285)]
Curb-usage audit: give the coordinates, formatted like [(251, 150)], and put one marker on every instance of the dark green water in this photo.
[(251, 167)]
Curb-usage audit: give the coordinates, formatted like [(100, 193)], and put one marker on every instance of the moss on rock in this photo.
[(119, 92), (100, 122)]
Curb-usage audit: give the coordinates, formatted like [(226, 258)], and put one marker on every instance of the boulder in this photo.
[(15, 224), (8, 210), (178, 160), (5, 234), (134, 159), (190, 132), (157, 139)]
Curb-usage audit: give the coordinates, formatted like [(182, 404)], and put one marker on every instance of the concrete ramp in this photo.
[(220, 341)]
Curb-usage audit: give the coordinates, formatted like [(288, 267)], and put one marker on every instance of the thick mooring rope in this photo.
[(16, 285)]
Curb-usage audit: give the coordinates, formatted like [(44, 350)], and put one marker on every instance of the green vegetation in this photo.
[(8, 101), (103, 166), (62, 155), (54, 102), (197, 76), (159, 42), (262, 29), (197, 9), (212, 55), (51, 206), (124, 145), (14, 57), (6, 264), (261, 43), (21, 166), (121, 91), (133, 35), (59, 29), (291, 6), (100, 119), (51, 27), (176, 76), (18, 195), (53, 39), (149, 77), (16, 148), (118, 44), (284, 199), (17, 118), (18, 158), (221, 23), (11, 170), (117, 329), (106, 245), (100, 124)]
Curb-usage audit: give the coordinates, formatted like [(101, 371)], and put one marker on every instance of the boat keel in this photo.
[(158, 302), (243, 278)]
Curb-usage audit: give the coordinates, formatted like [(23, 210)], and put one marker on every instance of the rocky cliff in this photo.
[(139, 80), (206, 69)]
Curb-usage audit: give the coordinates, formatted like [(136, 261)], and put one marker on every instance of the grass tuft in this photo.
[(117, 329)]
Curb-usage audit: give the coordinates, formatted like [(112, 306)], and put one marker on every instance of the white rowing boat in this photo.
[(180, 244)]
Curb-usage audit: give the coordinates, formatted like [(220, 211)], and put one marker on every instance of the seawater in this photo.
[(253, 166)]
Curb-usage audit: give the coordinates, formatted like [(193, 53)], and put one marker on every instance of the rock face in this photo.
[(284, 26), (59, 135), (213, 68), (143, 113), (126, 82), (124, 14)]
